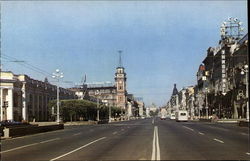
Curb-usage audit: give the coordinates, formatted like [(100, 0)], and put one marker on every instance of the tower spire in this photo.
[(120, 58)]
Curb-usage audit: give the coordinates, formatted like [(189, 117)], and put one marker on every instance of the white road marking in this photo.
[(153, 147), (201, 133), (153, 121), (77, 134), (20, 147), (49, 140), (243, 133), (114, 133), (156, 155), (188, 128), (247, 153), (219, 140), (78, 149), (24, 146)]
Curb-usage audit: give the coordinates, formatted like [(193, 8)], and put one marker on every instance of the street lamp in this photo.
[(57, 75), (206, 103), (245, 71), (97, 93)]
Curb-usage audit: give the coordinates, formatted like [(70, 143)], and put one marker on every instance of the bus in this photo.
[(181, 115)]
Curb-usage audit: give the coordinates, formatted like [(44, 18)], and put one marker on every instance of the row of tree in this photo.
[(76, 110)]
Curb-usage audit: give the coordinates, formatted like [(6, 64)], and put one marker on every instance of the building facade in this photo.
[(24, 98), (112, 94)]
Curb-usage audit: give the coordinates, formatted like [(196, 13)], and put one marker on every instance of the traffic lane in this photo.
[(228, 135), (52, 149), (29, 139), (69, 130), (204, 145), (225, 126), (126, 143), (177, 143)]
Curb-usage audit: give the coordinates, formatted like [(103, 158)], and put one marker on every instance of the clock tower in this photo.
[(120, 83)]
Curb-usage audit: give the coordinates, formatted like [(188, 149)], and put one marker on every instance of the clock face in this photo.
[(120, 82)]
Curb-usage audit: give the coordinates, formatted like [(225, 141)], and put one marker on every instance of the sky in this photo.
[(162, 42)]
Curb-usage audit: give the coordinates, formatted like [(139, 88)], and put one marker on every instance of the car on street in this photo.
[(172, 116)]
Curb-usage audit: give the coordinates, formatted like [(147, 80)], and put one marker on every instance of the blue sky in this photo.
[(163, 42)]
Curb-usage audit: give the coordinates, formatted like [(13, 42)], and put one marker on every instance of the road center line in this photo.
[(201, 133), (219, 140), (78, 149), (155, 146), (158, 157), (188, 128)]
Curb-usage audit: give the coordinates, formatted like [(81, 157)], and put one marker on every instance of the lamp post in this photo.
[(245, 71), (57, 75), (97, 93), (109, 112), (206, 103)]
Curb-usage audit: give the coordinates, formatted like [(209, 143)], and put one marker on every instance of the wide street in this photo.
[(143, 139)]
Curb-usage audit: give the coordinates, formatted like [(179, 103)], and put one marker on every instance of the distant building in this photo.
[(112, 94), (24, 98)]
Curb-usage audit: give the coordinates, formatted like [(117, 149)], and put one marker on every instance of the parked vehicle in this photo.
[(181, 115)]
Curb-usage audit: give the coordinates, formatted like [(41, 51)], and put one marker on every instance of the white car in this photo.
[(172, 116)]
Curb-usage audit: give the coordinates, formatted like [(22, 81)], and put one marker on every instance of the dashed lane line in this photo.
[(77, 134), (20, 147), (114, 133), (220, 141), (49, 140), (28, 145), (244, 134), (78, 148), (188, 128), (248, 153), (201, 133)]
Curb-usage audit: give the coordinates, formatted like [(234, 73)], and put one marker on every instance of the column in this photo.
[(10, 105), (1, 104), (24, 99)]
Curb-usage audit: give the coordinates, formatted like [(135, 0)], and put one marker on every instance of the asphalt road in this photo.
[(145, 139)]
